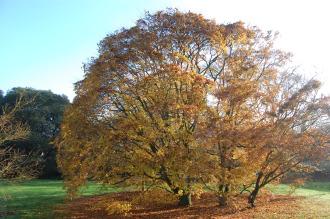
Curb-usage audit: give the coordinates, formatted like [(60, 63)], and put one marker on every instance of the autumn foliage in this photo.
[(181, 103)]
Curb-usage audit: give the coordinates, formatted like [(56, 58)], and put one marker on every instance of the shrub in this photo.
[(118, 207)]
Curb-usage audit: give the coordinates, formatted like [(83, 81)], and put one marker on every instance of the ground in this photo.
[(275, 206), (36, 198), (45, 199)]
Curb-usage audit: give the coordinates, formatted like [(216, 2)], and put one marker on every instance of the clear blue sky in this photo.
[(43, 43)]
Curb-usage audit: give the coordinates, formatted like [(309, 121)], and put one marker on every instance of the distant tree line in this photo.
[(40, 112)]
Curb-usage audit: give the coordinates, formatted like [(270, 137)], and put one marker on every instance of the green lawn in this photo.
[(35, 198), (314, 190)]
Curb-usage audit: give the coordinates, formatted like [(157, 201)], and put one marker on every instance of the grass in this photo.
[(317, 201), (36, 198), (315, 190)]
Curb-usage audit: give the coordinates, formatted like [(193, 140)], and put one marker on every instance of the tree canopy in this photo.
[(181, 102)]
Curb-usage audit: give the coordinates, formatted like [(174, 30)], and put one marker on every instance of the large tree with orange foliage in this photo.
[(178, 101)]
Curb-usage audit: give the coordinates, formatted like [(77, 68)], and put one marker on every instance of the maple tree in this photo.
[(294, 136), (249, 65), (149, 133), (180, 102)]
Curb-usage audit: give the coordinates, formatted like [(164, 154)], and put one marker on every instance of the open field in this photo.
[(38, 199), (312, 190)]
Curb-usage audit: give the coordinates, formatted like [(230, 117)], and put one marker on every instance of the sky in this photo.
[(44, 43)]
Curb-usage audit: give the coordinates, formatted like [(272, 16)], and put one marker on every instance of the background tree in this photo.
[(13, 163), (1, 97), (43, 115)]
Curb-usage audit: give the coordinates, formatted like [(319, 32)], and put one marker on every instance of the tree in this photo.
[(176, 101), (43, 114), (294, 136), (244, 80), (13, 163), (143, 135), (1, 97)]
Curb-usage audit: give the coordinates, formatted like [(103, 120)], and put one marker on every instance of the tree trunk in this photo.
[(252, 197), (143, 184), (223, 196), (185, 200), (223, 201)]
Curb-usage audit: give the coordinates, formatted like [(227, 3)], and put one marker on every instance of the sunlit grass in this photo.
[(317, 201), (319, 190), (36, 198)]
